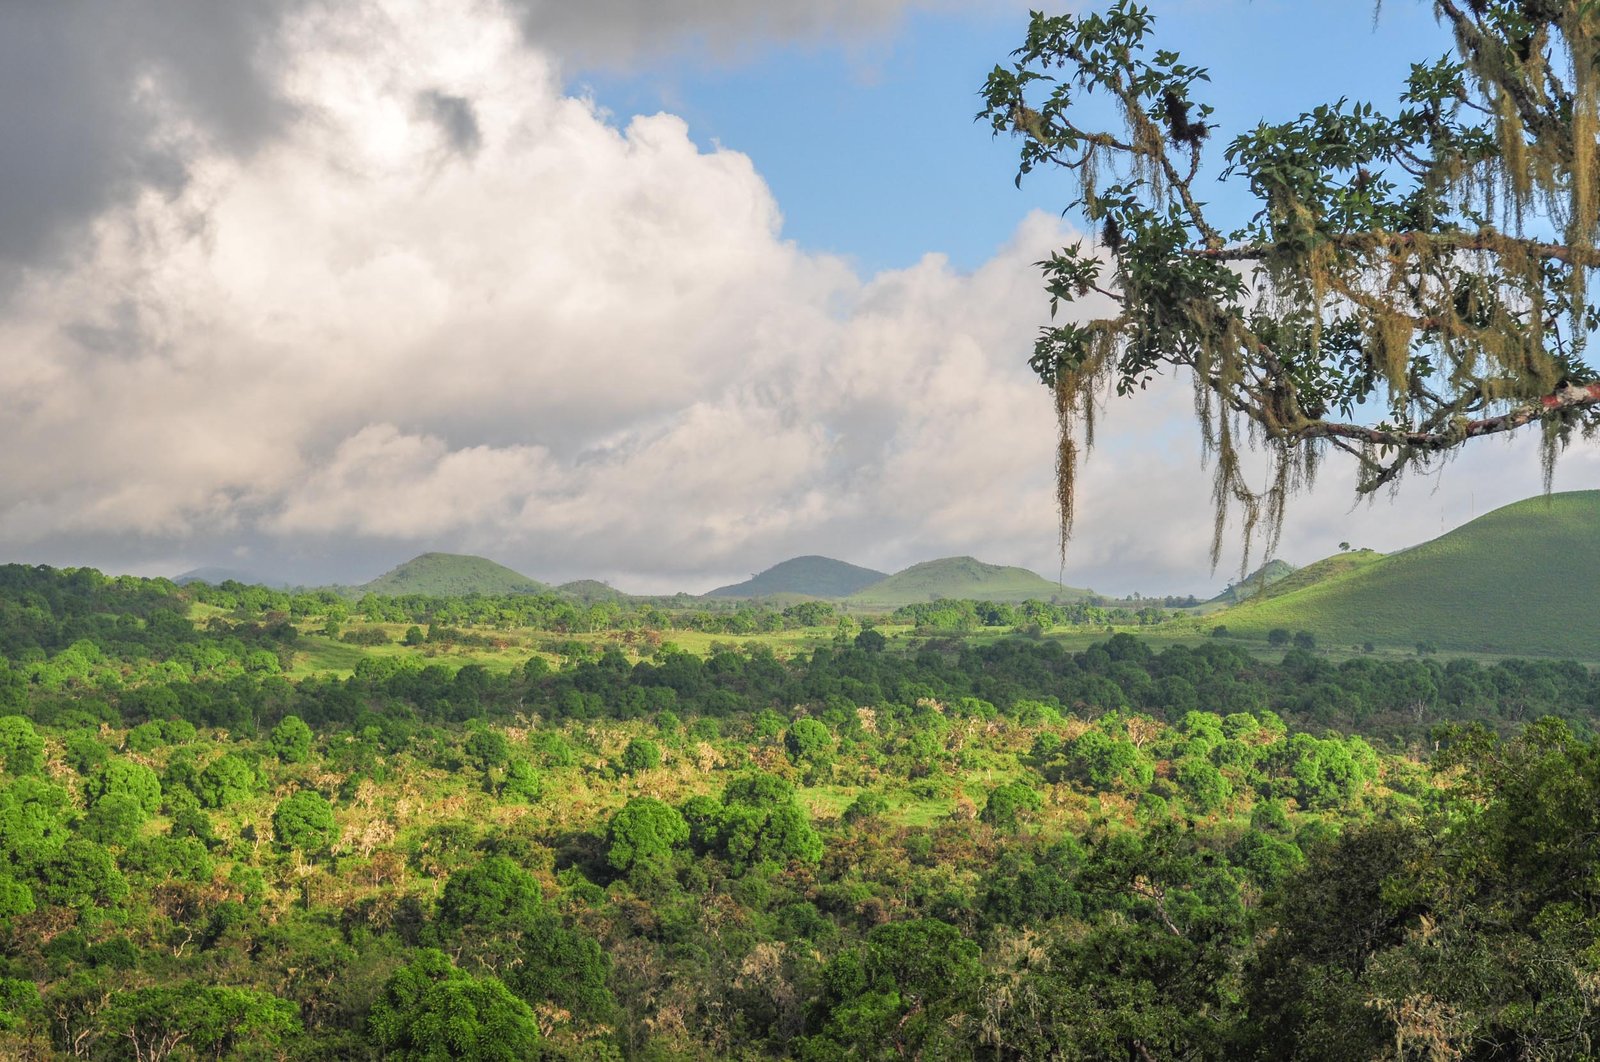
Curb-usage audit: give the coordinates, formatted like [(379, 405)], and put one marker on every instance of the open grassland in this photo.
[(1516, 582), (1519, 580), (320, 655)]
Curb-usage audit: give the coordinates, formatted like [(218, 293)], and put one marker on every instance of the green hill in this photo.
[(1518, 580), (1318, 571), (1263, 577), (962, 578), (451, 575), (810, 576), (591, 591), (218, 576)]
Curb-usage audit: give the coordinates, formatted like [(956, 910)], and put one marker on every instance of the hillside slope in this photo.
[(1319, 571), (214, 576), (451, 574), (812, 576), (1517, 580), (962, 577), (1270, 573), (591, 591)]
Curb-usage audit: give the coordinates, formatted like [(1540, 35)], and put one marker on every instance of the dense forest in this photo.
[(596, 846)]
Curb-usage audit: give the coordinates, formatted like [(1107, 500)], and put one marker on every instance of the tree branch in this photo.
[(1568, 399), (1533, 116), (1439, 241)]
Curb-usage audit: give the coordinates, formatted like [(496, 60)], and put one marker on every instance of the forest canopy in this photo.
[(954, 844)]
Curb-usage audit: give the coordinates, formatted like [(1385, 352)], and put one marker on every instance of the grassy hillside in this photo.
[(451, 574), (1319, 571), (811, 576), (591, 591), (1517, 580), (962, 577), (1272, 572)]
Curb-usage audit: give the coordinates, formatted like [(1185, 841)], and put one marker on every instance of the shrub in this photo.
[(644, 832), (114, 819), (641, 754), (303, 821), (291, 740), (432, 1010), (487, 748), (865, 807), (125, 776), (522, 783), (808, 741), (1008, 804), (226, 781), (21, 747)]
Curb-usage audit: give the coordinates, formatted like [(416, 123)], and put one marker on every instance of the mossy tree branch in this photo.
[(1409, 282)]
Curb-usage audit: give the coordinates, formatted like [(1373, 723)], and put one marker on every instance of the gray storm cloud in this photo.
[(83, 87), (616, 31), (403, 293)]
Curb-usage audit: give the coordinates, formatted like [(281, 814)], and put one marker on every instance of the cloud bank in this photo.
[(401, 292)]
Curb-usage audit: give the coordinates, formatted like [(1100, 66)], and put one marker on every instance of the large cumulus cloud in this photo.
[(432, 301), (446, 302)]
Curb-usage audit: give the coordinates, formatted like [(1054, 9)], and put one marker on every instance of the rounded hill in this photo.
[(810, 576), (963, 578), (1518, 580), (451, 575)]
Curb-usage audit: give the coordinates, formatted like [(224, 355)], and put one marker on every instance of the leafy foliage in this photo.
[(225, 781), (431, 1011), (1193, 853), (21, 748), (291, 740), (644, 833), (1389, 297), (304, 821)]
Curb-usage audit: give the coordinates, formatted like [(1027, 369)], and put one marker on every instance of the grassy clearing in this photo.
[(320, 656)]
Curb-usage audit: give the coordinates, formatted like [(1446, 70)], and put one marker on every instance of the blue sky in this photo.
[(869, 144)]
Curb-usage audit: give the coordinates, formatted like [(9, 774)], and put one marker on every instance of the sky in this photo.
[(659, 293)]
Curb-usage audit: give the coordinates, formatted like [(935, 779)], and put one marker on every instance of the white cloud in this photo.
[(574, 344)]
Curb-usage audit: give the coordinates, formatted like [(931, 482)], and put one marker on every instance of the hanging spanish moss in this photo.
[(1412, 280)]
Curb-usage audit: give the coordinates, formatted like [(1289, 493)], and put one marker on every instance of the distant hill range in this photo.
[(1268, 574), (962, 578), (218, 576), (809, 576), (451, 575), (1519, 580)]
